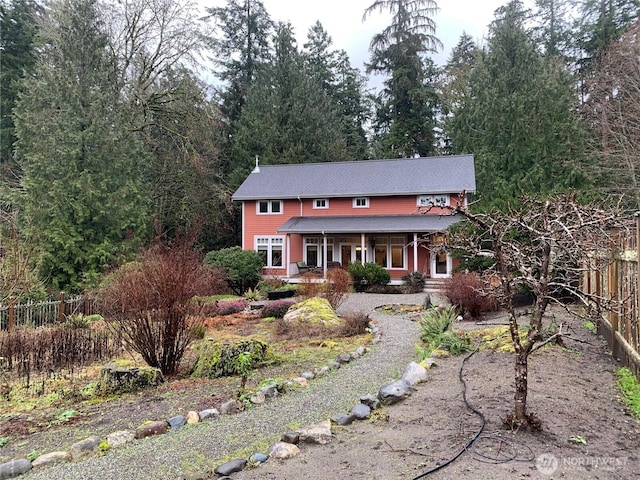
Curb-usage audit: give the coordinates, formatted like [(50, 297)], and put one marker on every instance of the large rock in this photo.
[(414, 373), (320, 433), (51, 458), (283, 450), (394, 392), (360, 411), (14, 468), (84, 447), (231, 467), (145, 430), (120, 438), (122, 377), (315, 311)]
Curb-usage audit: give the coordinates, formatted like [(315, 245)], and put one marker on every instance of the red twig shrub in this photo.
[(150, 302), (467, 291)]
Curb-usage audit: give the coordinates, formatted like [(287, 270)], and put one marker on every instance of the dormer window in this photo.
[(321, 203)]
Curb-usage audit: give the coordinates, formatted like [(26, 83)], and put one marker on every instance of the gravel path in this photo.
[(196, 448)]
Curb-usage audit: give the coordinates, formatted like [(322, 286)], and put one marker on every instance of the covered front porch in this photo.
[(399, 243)]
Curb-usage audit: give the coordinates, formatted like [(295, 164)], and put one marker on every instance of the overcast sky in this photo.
[(342, 19)]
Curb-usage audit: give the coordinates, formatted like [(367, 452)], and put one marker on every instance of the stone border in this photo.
[(94, 444)]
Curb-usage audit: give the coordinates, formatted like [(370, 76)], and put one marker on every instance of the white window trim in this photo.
[(355, 202), (429, 200), (269, 207), (276, 240), (317, 200)]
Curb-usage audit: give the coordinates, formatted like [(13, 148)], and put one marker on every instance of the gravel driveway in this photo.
[(197, 447)]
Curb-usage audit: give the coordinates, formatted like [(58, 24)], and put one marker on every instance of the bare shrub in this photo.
[(354, 324), (339, 285), (150, 302), (467, 291), (309, 286)]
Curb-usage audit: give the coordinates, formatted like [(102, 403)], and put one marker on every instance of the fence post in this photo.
[(12, 314), (61, 309), (85, 309)]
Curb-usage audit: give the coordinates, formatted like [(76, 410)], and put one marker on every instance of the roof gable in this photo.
[(402, 176)]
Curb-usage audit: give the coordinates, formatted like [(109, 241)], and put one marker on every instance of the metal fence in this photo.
[(37, 314)]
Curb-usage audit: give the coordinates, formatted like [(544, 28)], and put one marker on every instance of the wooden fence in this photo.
[(38, 314), (618, 281)]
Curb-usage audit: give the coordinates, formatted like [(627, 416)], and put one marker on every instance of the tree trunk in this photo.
[(520, 408)]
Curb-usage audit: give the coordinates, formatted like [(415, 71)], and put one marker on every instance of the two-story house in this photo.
[(383, 211)]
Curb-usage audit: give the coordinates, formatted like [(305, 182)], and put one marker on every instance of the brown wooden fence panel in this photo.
[(37, 314), (618, 281)]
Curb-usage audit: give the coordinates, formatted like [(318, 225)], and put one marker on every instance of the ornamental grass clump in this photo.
[(436, 333)]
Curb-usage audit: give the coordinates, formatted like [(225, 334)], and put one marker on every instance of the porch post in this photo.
[(362, 248), (415, 252), (324, 255), (288, 250)]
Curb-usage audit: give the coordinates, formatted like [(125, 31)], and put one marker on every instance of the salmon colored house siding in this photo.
[(263, 225)]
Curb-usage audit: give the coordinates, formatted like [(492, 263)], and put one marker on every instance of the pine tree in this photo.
[(83, 166)]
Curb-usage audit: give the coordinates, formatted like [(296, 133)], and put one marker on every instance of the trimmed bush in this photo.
[(366, 275), (467, 291), (243, 267), (277, 308)]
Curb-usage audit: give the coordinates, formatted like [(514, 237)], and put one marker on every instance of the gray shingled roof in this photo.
[(401, 176), (369, 224)]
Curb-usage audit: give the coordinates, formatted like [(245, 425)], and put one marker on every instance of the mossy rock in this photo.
[(227, 359), (315, 311), (121, 377)]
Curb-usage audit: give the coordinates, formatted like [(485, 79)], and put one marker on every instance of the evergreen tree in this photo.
[(17, 54), (240, 49), (288, 118), (406, 108), (518, 120), (553, 30), (343, 84), (82, 185)]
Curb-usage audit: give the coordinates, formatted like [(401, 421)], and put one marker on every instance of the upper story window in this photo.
[(361, 202), (266, 207), (440, 200), (321, 203)]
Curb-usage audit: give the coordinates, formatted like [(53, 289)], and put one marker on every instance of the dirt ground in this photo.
[(572, 390)]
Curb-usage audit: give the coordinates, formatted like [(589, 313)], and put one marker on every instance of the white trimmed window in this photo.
[(361, 202), (389, 252), (440, 200), (271, 249), (269, 207), (321, 203)]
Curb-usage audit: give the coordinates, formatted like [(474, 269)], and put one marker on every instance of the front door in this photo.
[(440, 264), (350, 252)]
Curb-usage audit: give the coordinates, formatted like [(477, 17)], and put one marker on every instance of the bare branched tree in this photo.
[(612, 110), (18, 260), (543, 246)]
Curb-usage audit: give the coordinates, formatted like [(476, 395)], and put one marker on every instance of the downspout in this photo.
[(301, 206)]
